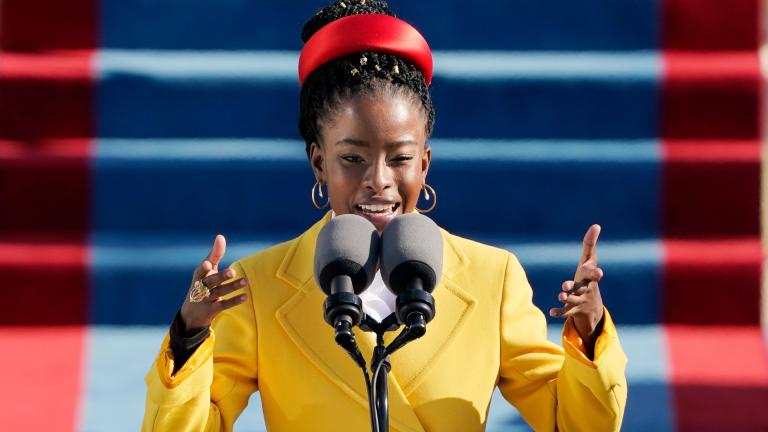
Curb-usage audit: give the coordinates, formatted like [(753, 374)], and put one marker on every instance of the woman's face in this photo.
[(372, 156)]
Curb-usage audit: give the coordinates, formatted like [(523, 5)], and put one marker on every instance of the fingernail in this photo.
[(242, 297), (230, 273), (243, 282)]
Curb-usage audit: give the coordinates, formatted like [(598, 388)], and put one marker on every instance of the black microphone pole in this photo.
[(380, 368)]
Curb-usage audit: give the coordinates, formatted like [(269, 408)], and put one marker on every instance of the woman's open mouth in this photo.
[(378, 214)]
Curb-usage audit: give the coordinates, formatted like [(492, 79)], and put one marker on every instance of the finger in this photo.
[(594, 286), (570, 311), (577, 292), (568, 285), (218, 278), (203, 270), (575, 300), (589, 245), (589, 271), (564, 311), (228, 303), (227, 288), (571, 288), (217, 251)]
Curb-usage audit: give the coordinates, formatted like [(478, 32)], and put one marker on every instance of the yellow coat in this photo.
[(486, 332)]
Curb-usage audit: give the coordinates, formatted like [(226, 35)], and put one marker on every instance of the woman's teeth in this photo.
[(376, 208)]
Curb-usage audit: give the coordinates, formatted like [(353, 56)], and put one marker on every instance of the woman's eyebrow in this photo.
[(354, 142), (400, 143), (362, 143)]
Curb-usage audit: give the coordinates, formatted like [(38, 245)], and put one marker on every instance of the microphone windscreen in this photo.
[(347, 245), (411, 246)]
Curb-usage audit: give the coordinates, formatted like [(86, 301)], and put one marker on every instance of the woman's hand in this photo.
[(582, 298), (200, 314)]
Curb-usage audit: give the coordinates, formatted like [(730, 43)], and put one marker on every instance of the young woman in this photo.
[(366, 116)]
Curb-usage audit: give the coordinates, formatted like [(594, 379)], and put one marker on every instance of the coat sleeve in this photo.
[(212, 388), (550, 387)]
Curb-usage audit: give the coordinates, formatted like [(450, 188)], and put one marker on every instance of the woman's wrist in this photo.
[(184, 342)]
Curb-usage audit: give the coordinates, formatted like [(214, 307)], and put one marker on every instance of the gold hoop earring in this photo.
[(319, 188), (427, 189)]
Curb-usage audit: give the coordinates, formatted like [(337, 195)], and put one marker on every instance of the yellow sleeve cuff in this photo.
[(193, 378), (574, 345)]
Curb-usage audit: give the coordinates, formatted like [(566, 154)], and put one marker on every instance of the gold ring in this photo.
[(199, 292)]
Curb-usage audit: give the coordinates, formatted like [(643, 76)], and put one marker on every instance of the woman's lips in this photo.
[(378, 217)]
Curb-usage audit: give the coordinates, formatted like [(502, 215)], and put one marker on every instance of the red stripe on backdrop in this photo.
[(711, 24), (712, 282), (719, 377), (50, 277), (711, 188), (40, 25), (711, 95), (44, 187), (42, 379), (66, 66)]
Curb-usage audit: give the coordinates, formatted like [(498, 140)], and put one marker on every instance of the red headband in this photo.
[(365, 32)]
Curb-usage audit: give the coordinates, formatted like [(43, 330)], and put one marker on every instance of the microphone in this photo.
[(346, 253), (411, 265)]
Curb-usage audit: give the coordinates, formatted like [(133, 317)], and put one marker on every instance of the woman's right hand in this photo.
[(200, 314)]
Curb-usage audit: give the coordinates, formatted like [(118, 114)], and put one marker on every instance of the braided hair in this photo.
[(366, 73)]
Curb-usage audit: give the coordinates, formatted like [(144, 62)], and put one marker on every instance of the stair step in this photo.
[(45, 185), (698, 274), (711, 25), (134, 262), (720, 377), (711, 95), (541, 25), (48, 25), (698, 173), (49, 274), (527, 92), (45, 96), (475, 182)]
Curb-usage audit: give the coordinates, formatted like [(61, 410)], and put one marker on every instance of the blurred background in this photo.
[(133, 131)]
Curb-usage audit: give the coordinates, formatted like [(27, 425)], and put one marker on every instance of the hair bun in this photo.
[(340, 9)]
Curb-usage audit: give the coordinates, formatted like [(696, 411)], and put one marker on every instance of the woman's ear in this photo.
[(317, 161), (426, 159)]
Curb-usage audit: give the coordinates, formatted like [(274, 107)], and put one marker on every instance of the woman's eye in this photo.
[(401, 159), (352, 158)]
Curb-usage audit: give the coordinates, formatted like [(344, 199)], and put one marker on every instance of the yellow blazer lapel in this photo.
[(453, 306), (302, 318)]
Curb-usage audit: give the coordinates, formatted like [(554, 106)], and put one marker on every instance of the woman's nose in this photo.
[(379, 177)]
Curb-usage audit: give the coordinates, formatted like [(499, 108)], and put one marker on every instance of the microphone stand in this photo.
[(380, 367), (378, 402), (380, 364)]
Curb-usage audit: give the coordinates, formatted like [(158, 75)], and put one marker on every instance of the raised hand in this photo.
[(581, 296), (197, 314)]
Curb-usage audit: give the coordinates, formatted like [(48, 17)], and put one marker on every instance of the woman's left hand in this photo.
[(582, 298)]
